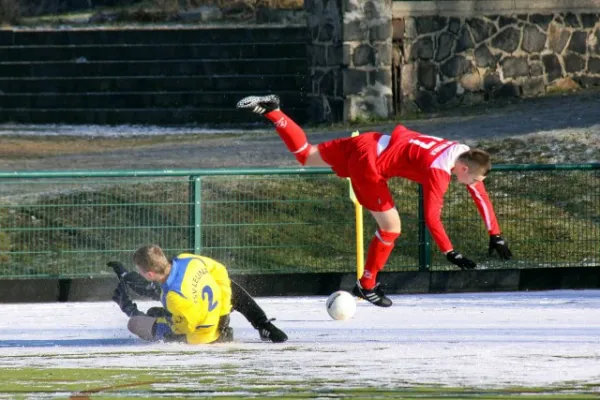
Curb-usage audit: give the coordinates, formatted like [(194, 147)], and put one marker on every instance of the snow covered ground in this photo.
[(481, 340)]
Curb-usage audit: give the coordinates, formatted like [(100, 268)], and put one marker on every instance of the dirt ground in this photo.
[(575, 117)]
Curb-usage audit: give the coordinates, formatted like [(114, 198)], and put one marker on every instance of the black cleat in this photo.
[(260, 104), (268, 331), (373, 296)]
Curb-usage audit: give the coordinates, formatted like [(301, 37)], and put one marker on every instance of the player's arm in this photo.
[(433, 204), (486, 210), (433, 199), (135, 281), (185, 316)]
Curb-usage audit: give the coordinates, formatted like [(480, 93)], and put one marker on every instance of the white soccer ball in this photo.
[(341, 305)]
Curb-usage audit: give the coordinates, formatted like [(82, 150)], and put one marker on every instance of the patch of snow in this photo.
[(470, 339)]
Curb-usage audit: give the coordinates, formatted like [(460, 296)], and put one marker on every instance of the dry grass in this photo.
[(17, 148), (553, 147)]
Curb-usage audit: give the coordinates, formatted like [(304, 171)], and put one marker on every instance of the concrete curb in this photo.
[(101, 289)]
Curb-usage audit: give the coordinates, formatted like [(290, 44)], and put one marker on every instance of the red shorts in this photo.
[(356, 158)]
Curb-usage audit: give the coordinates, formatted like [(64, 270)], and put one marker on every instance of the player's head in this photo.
[(472, 166), (151, 262)]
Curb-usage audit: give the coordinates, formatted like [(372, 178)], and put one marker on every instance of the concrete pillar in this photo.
[(367, 61), (350, 59)]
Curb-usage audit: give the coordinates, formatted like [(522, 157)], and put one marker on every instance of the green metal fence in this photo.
[(68, 224)]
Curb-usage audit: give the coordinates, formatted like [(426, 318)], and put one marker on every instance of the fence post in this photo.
[(424, 237), (195, 214)]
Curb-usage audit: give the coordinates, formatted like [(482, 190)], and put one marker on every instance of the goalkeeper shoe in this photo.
[(373, 296), (268, 331), (260, 104)]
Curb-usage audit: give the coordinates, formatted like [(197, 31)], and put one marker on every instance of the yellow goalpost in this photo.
[(358, 216)]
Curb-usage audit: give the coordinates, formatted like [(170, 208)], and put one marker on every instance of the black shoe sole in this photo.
[(356, 292)]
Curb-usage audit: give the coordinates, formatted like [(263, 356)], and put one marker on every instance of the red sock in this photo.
[(292, 135), (377, 256)]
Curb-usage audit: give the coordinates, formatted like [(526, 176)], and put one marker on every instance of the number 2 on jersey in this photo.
[(426, 144), (207, 295)]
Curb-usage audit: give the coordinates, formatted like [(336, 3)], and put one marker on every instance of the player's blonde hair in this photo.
[(478, 161), (151, 258)]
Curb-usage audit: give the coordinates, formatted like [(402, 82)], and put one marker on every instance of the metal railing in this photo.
[(69, 223)]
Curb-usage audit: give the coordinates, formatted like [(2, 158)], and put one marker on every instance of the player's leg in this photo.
[(292, 135), (153, 329), (142, 326), (373, 193), (247, 306), (159, 330), (381, 246), (151, 326)]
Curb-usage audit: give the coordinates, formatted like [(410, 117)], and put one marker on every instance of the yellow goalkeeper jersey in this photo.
[(197, 293)]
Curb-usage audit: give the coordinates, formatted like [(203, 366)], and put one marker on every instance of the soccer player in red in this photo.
[(370, 159)]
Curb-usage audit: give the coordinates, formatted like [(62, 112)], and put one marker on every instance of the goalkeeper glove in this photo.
[(461, 261), (118, 268), (158, 312), (135, 281), (498, 243), (122, 299)]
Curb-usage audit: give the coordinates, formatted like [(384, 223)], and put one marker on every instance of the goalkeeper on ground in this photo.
[(197, 296)]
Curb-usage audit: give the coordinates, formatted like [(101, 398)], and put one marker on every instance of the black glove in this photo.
[(135, 281), (458, 259), (122, 299), (498, 243), (118, 268), (158, 312)]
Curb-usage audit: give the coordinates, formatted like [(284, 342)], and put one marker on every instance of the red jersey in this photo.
[(370, 159)]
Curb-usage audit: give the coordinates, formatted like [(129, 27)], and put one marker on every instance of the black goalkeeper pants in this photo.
[(242, 302)]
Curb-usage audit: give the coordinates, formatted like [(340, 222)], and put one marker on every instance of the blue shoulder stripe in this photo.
[(175, 279)]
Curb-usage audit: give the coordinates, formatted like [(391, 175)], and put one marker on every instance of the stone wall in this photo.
[(453, 59), (326, 95), (350, 57), (367, 60)]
